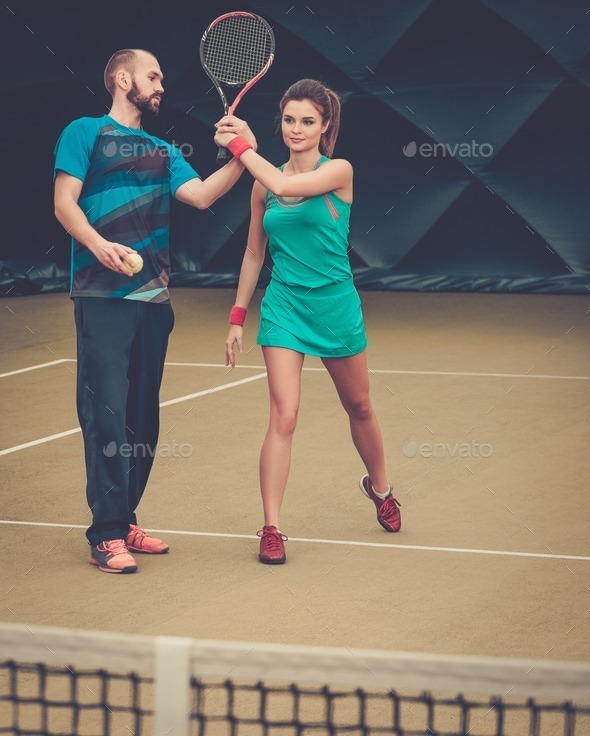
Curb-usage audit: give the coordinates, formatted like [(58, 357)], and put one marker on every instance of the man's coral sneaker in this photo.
[(272, 548), (112, 556), (140, 541), (388, 513)]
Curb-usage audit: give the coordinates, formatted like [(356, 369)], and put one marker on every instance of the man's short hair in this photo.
[(126, 58)]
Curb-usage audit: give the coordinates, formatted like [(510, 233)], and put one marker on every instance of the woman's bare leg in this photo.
[(351, 379), (284, 382)]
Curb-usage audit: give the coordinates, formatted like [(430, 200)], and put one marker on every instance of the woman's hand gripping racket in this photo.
[(236, 51)]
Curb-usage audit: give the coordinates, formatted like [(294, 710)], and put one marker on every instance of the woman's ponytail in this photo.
[(328, 139)]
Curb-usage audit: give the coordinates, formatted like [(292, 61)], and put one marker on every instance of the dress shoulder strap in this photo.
[(268, 193)]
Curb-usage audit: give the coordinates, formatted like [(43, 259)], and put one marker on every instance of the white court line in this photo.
[(371, 370), (196, 395), (40, 441), (380, 545), (214, 389), (34, 367), (408, 373)]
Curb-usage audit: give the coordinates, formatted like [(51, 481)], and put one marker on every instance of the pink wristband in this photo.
[(237, 316), (238, 145)]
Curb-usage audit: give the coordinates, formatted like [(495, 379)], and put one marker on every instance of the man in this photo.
[(113, 183)]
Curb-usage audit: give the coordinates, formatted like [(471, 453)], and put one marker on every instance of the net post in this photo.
[(172, 683)]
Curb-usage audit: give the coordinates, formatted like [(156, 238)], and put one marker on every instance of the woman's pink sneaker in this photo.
[(272, 548), (388, 513)]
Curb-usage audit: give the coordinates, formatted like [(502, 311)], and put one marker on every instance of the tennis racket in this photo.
[(237, 50)]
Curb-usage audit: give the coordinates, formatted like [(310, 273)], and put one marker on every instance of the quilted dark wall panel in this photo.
[(466, 121)]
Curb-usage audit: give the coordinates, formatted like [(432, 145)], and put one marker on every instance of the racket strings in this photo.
[(237, 49)]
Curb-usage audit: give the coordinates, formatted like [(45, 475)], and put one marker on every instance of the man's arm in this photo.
[(202, 194), (74, 221)]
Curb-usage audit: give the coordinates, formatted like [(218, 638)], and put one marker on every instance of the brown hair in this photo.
[(327, 102), (126, 58)]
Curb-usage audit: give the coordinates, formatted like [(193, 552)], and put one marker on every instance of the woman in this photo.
[(311, 306)]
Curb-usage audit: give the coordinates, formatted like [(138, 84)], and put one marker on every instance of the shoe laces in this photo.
[(272, 538), (135, 532), (115, 546), (388, 509)]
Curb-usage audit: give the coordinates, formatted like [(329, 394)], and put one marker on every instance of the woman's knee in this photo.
[(359, 408), (283, 419)]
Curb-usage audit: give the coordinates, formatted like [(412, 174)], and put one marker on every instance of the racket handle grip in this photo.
[(223, 156)]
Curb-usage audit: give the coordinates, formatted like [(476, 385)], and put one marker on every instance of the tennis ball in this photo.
[(134, 262)]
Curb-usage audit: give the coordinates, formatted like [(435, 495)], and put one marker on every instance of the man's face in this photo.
[(146, 85)]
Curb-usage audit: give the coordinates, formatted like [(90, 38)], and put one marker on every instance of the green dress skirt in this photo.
[(326, 321)]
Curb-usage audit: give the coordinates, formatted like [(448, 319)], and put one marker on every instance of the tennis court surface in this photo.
[(483, 401)]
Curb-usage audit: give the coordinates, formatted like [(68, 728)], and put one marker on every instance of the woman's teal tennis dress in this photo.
[(311, 304)]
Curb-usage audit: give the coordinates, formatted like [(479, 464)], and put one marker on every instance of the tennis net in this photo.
[(58, 682)]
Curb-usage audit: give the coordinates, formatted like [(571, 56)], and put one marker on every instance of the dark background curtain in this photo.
[(466, 122)]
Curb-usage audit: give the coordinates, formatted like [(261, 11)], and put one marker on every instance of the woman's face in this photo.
[(301, 125)]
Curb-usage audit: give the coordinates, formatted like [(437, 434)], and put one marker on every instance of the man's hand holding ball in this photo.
[(117, 257), (134, 262)]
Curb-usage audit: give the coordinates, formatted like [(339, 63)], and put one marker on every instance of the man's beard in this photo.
[(142, 103)]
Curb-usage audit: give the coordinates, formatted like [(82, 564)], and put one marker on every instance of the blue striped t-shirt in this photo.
[(129, 177)]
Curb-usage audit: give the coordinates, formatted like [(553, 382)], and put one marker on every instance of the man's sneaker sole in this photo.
[(123, 570), (137, 551)]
